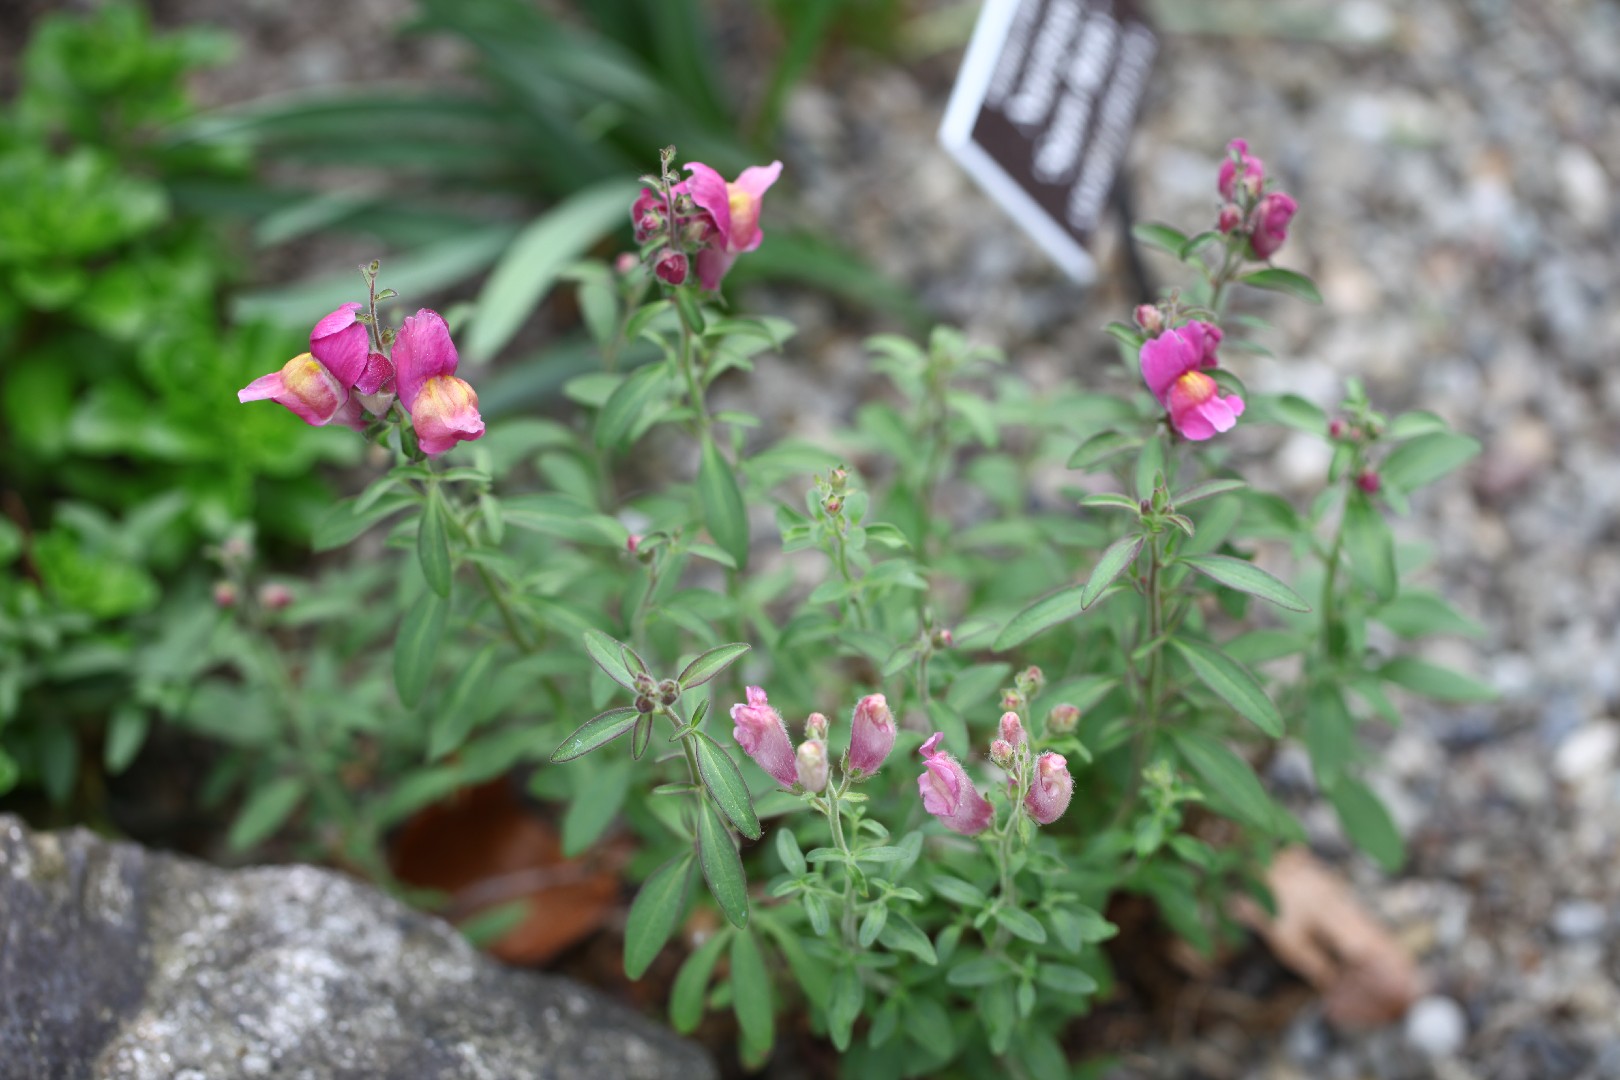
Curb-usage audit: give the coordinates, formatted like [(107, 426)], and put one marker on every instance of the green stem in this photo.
[(694, 387), (846, 921)]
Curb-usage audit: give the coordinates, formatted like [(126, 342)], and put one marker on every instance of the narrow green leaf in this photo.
[(900, 934), (844, 1006), (1426, 459), (642, 735), (710, 664), (751, 994), (655, 913), (1049, 611), (958, 892), (455, 715), (722, 502), (266, 810), (788, 850), (596, 732), (726, 785), (1290, 410), (1277, 279), (1101, 447), (722, 867), (593, 809), (1434, 681), (537, 257), (126, 733), (342, 522), (1249, 578), (692, 983), (1370, 544), (1119, 555), (877, 916), (1228, 775), (416, 644), (1421, 613), (1207, 489), (1065, 980), (1160, 236), (625, 406), (978, 971), (1368, 824), (1232, 683), (608, 655), (1330, 733), (891, 853), (1022, 924), (1114, 500), (433, 545)]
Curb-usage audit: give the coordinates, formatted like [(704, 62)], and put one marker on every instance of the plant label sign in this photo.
[(1042, 111)]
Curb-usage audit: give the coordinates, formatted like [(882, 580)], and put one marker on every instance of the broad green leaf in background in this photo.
[(655, 913), (1228, 775), (1118, 556), (692, 983), (722, 502), (1233, 683), (1370, 544), (433, 545), (266, 809), (1290, 282), (1426, 459), (751, 996), (416, 644), (1367, 823)]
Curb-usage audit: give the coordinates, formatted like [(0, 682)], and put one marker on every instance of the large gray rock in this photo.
[(120, 962)]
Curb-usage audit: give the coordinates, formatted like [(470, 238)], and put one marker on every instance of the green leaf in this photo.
[(1076, 925), (751, 994), (1434, 681), (1371, 546), (1022, 924), (341, 523), (1277, 279), (691, 983), (1112, 499), (624, 408), (722, 867), (1232, 683), (900, 934), (710, 664), (537, 257), (1101, 447), (877, 916), (726, 785), (958, 892), (722, 502), (890, 853), (1065, 980), (844, 1006), (595, 733), (266, 810), (608, 654), (1207, 489), (9, 771), (1247, 577), (416, 645), (1118, 556), (1330, 733), (1049, 611), (1159, 236), (1229, 776), (1290, 410), (642, 735), (655, 913), (456, 715), (1426, 459), (788, 850), (433, 545), (978, 971), (126, 733), (591, 811), (1367, 823), (1420, 613)]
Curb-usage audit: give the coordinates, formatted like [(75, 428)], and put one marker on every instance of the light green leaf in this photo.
[(1022, 924), (1371, 546), (1232, 683), (608, 654), (1115, 560), (710, 664), (1367, 823), (590, 812), (751, 997), (1065, 980), (655, 913), (723, 511), (844, 1005), (726, 785), (900, 934), (1426, 459), (266, 810), (1163, 237), (1249, 578), (788, 850), (1229, 776), (416, 645), (1277, 279), (722, 867), (686, 996), (1434, 681), (433, 545), (596, 732), (126, 733)]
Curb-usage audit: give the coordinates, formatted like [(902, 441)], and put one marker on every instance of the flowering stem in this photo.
[(841, 561), (846, 922), (694, 388)]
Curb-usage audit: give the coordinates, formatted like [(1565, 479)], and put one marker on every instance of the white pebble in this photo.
[(1437, 1026)]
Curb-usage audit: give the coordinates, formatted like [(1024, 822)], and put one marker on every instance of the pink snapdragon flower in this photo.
[(443, 408), (948, 792), (734, 208), (1254, 170), (1172, 366), (1050, 789), (871, 734), (315, 385), (763, 735), (1269, 228)]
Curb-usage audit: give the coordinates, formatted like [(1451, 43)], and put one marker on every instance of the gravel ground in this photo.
[(1454, 161)]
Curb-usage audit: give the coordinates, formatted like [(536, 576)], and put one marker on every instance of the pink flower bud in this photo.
[(626, 263), (838, 479), (944, 639), (225, 594), (1336, 429), (1031, 681), (1270, 225), (1369, 482), (275, 597), (1237, 155), (671, 267), (1063, 719), (1051, 789), (1149, 318), (871, 734), (763, 736), (237, 549), (1012, 700), (815, 726), (1001, 752), (1231, 217), (811, 765), (1012, 728), (443, 408), (632, 542), (833, 505), (948, 793), (647, 214)]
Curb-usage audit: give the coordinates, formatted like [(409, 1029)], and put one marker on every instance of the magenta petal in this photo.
[(378, 376), (757, 179), (1165, 359), (341, 343), (1051, 790), (422, 351), (340, 319), (708, 190), (763, 736), (712, 265)]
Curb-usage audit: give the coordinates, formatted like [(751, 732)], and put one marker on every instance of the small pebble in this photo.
[(1578, 920), (1587, 752), (1437, 1026)]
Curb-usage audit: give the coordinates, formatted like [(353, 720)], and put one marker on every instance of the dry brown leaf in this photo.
[(1322, 932)]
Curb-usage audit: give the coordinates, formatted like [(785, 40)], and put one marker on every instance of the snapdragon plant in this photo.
[(1015, 707)]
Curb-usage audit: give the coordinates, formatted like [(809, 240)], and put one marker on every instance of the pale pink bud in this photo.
[(871, 734), (1149, 318), (1063, 719), (1031, 681), (274, 597), (1336, 429), (838, 479), (1369, 482), (833, 504), (763, 736), (632, 542), (1270, 228), (948, 793), (671, 267), (1012, 728), (1051, 789), (811, 765), (944, 639), (225, 594), (1001, 752), (626, 262), (815, 726), (237, 549), (1012, 700), (1237, 155)]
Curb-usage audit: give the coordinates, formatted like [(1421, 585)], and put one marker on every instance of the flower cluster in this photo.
[(1175, 366), (703, 220), (763, 735), (1039, 785), (1249, 209), (346, 377)]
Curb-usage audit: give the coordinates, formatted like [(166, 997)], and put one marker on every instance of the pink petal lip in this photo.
[(708, 190), (422, 351)]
